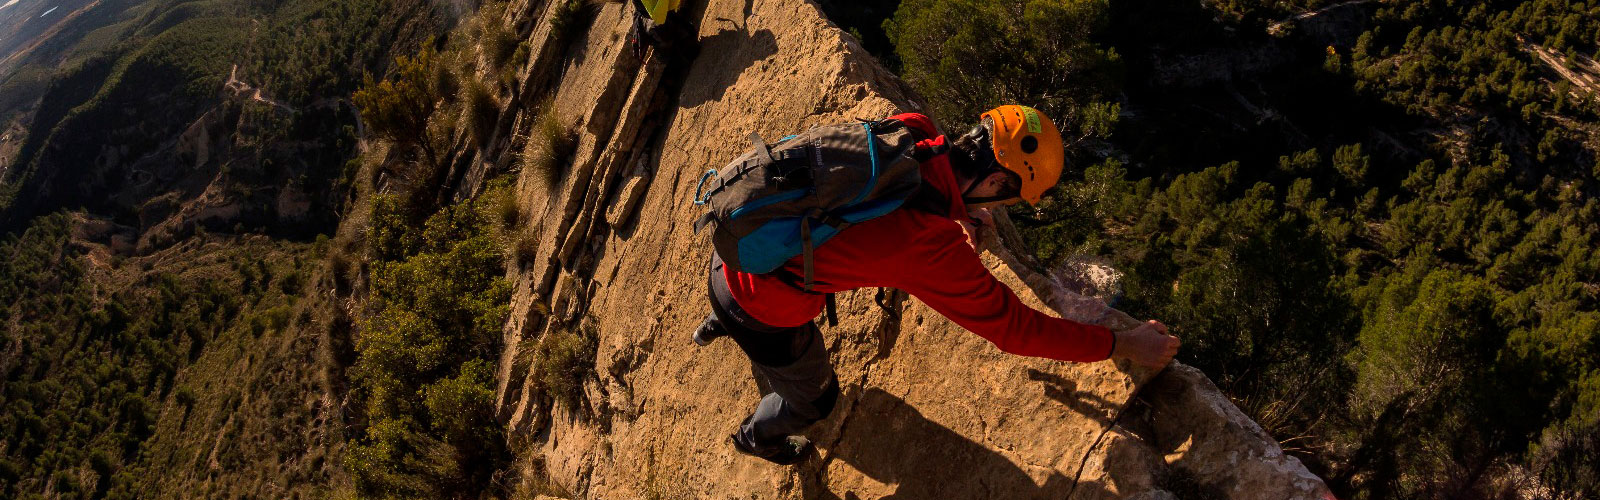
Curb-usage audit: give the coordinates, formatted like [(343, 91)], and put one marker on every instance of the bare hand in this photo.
[(974, 227), (982, 215), (971, 232), (1148, 344)]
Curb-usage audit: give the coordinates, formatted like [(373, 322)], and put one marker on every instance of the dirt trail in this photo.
[(239, 87)]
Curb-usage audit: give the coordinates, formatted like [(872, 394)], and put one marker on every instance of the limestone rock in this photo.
[(929, 410)]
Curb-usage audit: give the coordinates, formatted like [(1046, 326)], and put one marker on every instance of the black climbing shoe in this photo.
[(793, 450), (708, 332)]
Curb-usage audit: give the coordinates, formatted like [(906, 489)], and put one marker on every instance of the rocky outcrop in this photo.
[(929, 410)]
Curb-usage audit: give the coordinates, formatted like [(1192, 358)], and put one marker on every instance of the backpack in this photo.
[(780, 201)]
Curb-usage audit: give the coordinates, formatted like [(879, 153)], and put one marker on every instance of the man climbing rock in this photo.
[(924, 247), (662, 24)]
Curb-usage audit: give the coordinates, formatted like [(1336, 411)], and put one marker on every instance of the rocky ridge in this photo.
[(928, 410)]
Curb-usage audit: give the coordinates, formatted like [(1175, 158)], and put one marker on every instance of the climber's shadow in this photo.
[(723, 57), (890, 441), (1065, 391)]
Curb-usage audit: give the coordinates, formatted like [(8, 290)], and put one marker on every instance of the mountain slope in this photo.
[(927, 408)]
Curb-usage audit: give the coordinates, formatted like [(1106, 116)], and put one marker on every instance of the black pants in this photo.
[(793, 360)]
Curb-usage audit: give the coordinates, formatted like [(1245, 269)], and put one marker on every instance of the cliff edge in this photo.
[(929, 409)]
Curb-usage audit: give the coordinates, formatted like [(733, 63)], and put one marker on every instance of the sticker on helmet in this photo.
[(1032, 118)]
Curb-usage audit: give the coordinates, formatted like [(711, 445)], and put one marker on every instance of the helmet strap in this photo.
[(985, 199), (993, 169), (976, 147)]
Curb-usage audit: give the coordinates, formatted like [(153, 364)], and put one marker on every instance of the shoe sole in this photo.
[(805, 451)]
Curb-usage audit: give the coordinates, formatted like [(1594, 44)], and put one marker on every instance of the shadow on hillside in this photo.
[(891, 442), (1202, 92), (724, 57)]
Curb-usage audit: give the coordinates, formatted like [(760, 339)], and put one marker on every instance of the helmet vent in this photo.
[(1029, 145)]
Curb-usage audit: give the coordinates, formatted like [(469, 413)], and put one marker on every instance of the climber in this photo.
[(663, 25), (657, 10), (925, 248)]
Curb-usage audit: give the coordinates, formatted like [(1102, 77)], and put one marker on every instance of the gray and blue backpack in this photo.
[(783, 200)]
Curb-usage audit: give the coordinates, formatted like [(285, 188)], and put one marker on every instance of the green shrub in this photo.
[(572, 17), (550, 147), (64, 481), (461, 408), (292, 283), (967, 56), (185, 397), (444, 82), (482, 112), (1351, 164), (500, 45), (389, 235), (519, 58), (527, 248), (398, 108), (1565, 458), (507, 209), (424, 364), (1421, 329), (563, 359), (396, 460)]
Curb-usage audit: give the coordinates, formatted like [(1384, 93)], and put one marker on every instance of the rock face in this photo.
[(929, 410)]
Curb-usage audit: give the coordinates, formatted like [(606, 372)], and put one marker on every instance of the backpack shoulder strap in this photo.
[(832, 310), (761, 145)]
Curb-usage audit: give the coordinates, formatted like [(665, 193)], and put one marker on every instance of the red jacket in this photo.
[(929, 257)]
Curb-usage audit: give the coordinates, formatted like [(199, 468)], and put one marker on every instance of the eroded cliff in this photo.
[(928, 410)]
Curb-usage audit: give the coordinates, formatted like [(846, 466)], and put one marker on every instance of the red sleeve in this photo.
[(945, 273), (920, 122)]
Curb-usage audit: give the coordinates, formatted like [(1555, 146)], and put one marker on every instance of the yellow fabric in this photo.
[(1039, 168), (658, 9)]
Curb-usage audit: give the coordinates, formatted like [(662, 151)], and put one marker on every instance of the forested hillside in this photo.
[(276, 248), (169, 175), (162, 102), (1374, 223)]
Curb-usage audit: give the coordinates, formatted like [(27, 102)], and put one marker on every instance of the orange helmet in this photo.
[(1028, 144)]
